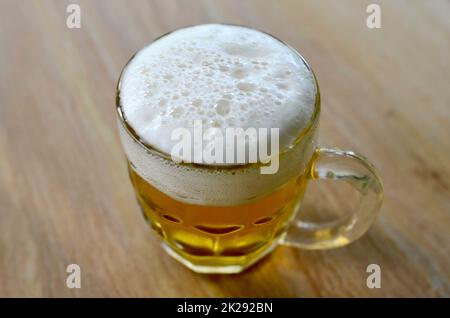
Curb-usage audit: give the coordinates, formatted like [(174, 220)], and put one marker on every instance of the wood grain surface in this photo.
[(65, 196)]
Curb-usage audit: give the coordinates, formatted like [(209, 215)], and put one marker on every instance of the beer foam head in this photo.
[(225, 76)]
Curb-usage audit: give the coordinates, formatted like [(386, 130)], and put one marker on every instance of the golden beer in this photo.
[(211, 236)]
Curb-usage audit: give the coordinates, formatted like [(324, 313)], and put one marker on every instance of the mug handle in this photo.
[(356, 170)]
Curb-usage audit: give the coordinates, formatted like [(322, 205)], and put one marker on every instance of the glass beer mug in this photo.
[(224, 218)]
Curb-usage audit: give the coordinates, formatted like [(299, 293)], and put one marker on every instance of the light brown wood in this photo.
[(65, 196)]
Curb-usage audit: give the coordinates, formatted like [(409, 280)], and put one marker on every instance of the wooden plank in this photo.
[(64, 192)]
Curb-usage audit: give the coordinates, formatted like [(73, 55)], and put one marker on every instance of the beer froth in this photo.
[(226, 76)]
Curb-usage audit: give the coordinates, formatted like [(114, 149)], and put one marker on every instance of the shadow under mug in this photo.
[(216, 237)]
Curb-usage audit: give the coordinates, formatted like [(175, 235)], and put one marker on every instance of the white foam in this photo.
[(227, 76), (223, 75)]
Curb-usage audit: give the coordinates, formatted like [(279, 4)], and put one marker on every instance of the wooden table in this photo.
[(65, 196)]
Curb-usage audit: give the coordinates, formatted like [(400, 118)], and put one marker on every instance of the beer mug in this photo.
[(222, 218)]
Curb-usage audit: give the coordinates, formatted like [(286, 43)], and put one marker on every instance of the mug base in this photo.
[(204, 265)]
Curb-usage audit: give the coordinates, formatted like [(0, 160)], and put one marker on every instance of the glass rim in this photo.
[(312, 121)]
